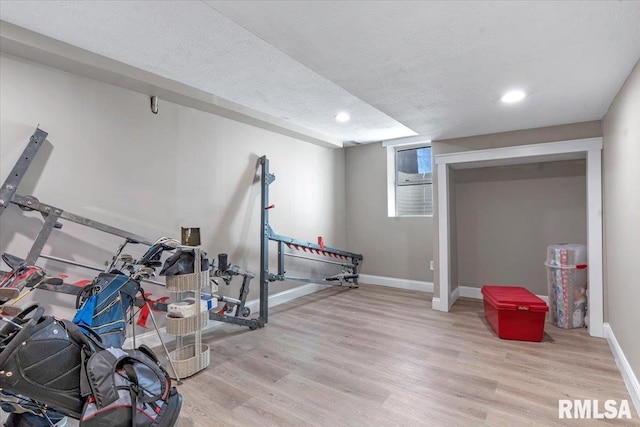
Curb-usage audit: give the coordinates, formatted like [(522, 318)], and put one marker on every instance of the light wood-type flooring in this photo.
[(378, 356)]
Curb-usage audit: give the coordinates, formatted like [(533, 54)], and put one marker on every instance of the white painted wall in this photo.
[(110, 159), (621, 176)]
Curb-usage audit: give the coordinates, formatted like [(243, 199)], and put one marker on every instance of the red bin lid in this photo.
[(513, 298)]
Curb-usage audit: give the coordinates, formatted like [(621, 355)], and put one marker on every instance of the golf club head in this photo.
[(10, 310), (126, 258), (167, 242), (55, 281), (154, 253), (151, 255), (13, 261), (144, 272), (170, 244), (9, 293), (35, 276)]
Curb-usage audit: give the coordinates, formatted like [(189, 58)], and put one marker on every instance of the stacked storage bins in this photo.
[(567, 279)]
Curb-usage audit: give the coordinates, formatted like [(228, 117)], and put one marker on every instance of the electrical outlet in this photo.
[(431, 265)]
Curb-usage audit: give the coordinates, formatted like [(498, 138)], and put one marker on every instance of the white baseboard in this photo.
[(470, 292), (392, 282), (151, 338), (288, 295), (455, 294), (630, 378), (436, 304)]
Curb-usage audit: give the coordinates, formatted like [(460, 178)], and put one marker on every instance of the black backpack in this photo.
[(125, 387)]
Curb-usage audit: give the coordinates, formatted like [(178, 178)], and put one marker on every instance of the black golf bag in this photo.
[(41, 361), (68, 371)]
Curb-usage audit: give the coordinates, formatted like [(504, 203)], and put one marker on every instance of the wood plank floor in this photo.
[(380, 356)]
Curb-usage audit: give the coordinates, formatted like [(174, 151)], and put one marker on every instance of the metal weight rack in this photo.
[(347, 260), (51, 216)]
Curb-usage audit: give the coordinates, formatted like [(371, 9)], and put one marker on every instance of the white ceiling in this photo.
[(435, 69)]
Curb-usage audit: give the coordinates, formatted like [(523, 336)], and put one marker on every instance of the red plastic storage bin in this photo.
[(514, 313)]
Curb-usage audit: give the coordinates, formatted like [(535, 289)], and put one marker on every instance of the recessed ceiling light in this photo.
[(342, 117), (513, 96)]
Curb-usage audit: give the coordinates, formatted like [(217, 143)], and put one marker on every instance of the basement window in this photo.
[(411, 193)]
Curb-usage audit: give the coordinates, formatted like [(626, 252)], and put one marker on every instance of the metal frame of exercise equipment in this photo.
[(51, 215), (349, 266), (226, 272)]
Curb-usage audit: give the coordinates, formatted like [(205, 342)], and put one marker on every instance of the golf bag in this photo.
[(40, 360), (67, 370), (103, 304)]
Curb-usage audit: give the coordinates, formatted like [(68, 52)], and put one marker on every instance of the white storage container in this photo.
[(187, 306), (567, 280)]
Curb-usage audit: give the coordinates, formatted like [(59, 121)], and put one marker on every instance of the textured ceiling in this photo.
[(440, 67), (400, 68), (190, 42)]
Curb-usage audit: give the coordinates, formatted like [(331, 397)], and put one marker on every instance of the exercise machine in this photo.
[(52, 215), (240, 312), (348, 261)]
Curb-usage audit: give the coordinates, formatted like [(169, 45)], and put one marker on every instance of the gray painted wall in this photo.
[(402, 247), (392, 247), (621, 128), (110, 159), (506, 139), (506, 217)]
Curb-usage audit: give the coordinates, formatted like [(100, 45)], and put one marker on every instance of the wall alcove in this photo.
[(588, 149)]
